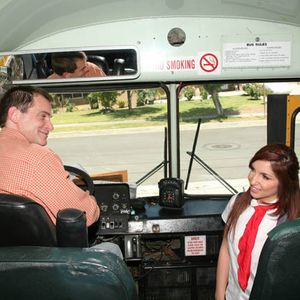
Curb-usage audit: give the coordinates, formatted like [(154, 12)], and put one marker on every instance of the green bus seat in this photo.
[(277, 276), (33, 272)]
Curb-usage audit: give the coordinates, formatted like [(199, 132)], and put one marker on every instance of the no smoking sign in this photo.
[(209, 63)]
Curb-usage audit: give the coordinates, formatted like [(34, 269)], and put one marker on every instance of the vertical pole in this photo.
[(173, 126)]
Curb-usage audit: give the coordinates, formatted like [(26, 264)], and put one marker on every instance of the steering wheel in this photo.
[(84, 176)]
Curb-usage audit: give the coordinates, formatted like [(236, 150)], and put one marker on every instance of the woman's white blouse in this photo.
[(233, 291)]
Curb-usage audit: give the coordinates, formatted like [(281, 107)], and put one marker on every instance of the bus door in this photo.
[(283, 120)]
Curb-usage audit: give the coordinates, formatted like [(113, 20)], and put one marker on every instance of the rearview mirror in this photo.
[(69, 66)]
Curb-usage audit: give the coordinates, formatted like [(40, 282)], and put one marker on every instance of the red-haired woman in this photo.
[(273, 196)]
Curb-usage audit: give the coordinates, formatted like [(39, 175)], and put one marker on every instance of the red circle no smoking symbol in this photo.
[(208, 62)]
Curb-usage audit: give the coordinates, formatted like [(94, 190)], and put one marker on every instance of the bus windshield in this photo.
[(127, 130)]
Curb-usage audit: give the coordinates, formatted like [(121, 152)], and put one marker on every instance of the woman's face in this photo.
[(263, 182)]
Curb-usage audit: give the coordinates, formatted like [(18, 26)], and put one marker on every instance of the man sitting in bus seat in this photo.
[(27, 167), (73, 65)]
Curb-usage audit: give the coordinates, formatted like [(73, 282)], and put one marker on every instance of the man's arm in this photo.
[(52, 188)]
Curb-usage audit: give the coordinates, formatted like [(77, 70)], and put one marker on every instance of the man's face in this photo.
[(35, 124)]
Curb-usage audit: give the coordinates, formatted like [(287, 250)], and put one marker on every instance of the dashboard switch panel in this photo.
[(114, 202)]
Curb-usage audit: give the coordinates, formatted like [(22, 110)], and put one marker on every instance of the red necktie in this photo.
[(247, 241)]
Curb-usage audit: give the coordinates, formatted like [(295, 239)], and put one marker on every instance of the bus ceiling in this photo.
[(153, 41)]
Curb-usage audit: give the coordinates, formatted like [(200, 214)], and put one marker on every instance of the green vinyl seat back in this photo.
[(33, 272), (278, 272)]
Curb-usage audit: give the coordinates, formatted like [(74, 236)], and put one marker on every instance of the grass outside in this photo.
[(156, 114)]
